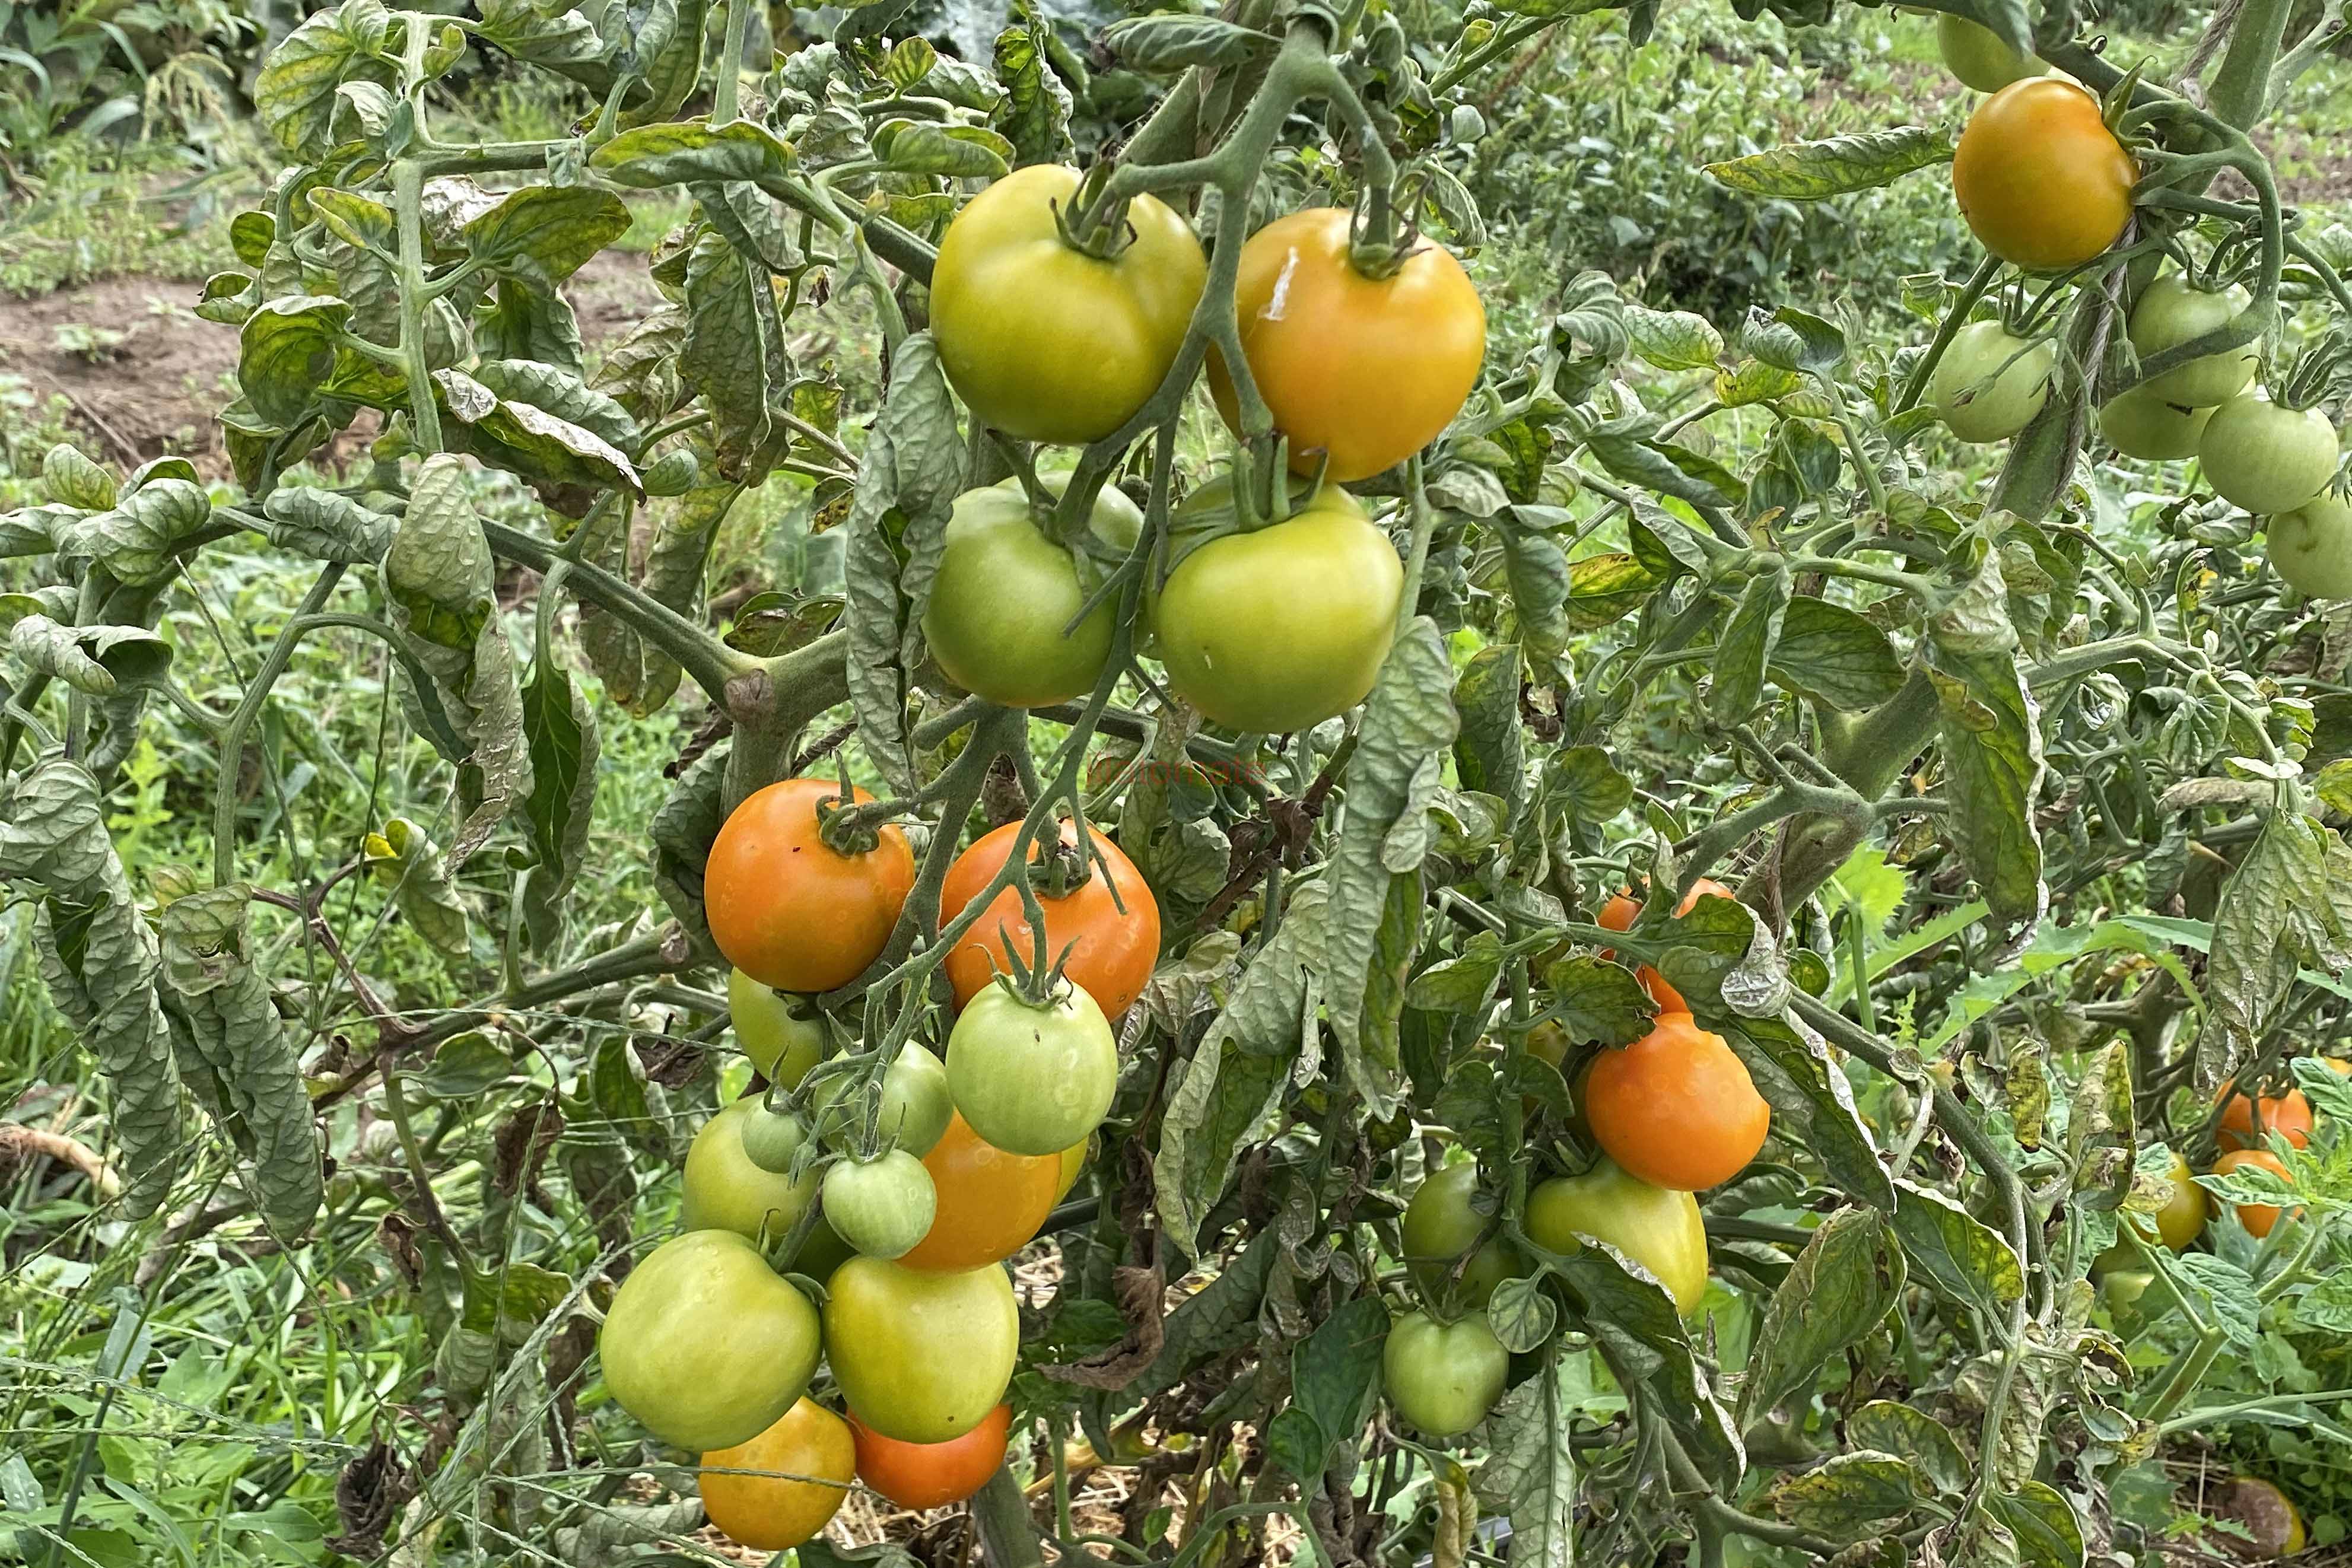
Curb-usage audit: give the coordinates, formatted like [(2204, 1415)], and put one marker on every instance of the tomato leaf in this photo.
[(1810, 171)]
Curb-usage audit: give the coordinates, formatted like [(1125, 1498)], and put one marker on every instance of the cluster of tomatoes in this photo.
[(1672, 1114), (2047, 186), (1265, 625), (902, 1195)]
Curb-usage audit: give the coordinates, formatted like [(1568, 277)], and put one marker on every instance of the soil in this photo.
[(156, 391)]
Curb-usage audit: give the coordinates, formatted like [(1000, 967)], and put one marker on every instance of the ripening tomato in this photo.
[(913, 1112), (1619, 914), (1074, 1165), (990, 1203), (2259, 1218), (1281, 627), (1443, 1378), (2287, 1114), (921, 1357), (1980, 57), (2311, 548), (881, 1207), (2170, 313), (2265, 457), (1033, 1079), (726, 1189), (1043, 340), (772, 1138), (1658, 1227), (783, 1036), (2040, 179), (2138, 425), (1990, 384), (2182, 1217), (788, 909), (1110, 924), (1440, 1226), (806, 1461), (922, 1476), (1006, 592), (1676, 1108), (705, 1344), (1364, 371)]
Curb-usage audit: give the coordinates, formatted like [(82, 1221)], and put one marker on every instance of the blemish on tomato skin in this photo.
[(1276, 303)]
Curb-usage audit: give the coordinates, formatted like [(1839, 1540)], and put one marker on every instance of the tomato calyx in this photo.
[(850, 829), (1094, 222), (1377, 249)]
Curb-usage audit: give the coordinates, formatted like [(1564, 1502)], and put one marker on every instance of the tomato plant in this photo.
[(920, 1357), (801, 1468), (1104, 931), (2042, 182)]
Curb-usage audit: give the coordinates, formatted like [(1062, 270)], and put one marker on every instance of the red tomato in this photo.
[(1114, 951), (787, 909), (920, 1476)]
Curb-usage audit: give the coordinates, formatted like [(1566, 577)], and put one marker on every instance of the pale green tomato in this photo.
[(1656, 1227), (705, 1344), (1033, 1079), (1443, 1378), (1980, 57), (2311, 547), (772, 1139), (1989, 384), (881, 1207), (2265, 458), (725, 1191), (916, 1105), (784, 1035), (2170, 313), (2139, 425)]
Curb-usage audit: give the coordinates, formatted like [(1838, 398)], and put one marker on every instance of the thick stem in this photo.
[(408, 206), (232, 735), (1008, 1536)]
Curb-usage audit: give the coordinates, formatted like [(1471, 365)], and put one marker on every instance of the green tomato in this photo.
[(2265, 458), (881, 1207), (2140, 425), (1655, 1226), (1284, 626), (2170, 313), (705, 1344), (1990, 384), (1033, 1079), (784, 1035), (1980, 57), (1006, 591), (916, 1105), (1443, 1378), (772, 1139), (2311, 547), (1048, 343), (726, 1191), (920, 1357), (1440, 1226)]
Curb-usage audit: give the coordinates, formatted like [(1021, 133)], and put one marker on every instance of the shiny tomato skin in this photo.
[(2042, 181), (1989, 384), (783, 1036), (1365, 370), (921, 1357), (990, 1202), (772, 1138), (1044, 342), (2259, 1218), (1440, 1225), (924, 1476), (1980, 57), (1443, 1378), (2168, 313), (1006, 592), (2182, 1217), (882, 1206), (2138, 425), (1676, 1108), (1658, 1227), (1110, 923), (2311, 548), (2287, 1114), (809, 1458), (726, 1189), (784, 907), (1619, 914), (705, 1344), (2265, 457), (1282, 627), (1074, 1165), (1033, 1079)]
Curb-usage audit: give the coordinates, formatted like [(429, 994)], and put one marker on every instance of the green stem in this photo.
[(1008, 1535), (232, 733), (728, 92), (408, 206), (1949, 327)]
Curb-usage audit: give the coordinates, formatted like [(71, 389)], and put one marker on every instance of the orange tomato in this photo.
[(2287, 1114), (1111, 952), (990, 1203), (788, 909), (2257, 1217), (807, 1459), (922, 1476), (1619, 914), (2040, 179), (1366, 370), (1676, 1108)]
